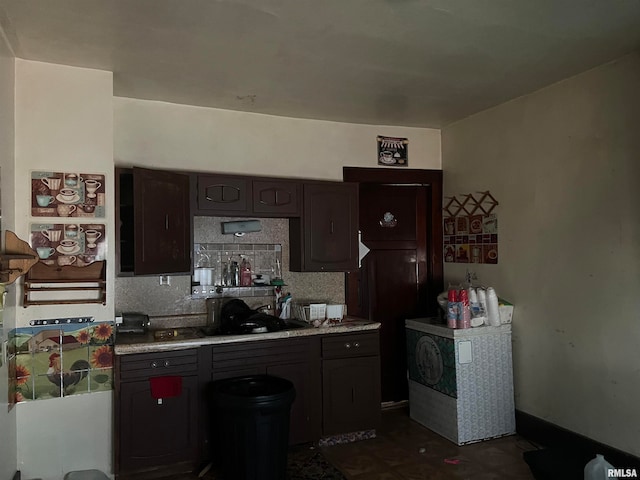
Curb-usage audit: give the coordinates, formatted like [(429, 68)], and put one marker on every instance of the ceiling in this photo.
[(422, 63)]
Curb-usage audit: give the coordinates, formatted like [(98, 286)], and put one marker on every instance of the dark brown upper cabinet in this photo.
[(325, 238), (154, 231), (276, 198), (223, 195), (227, 195)]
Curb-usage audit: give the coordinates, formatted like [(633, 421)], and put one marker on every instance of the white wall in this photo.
[(7, 203), (171, 136), (63, 122), (563, 163)]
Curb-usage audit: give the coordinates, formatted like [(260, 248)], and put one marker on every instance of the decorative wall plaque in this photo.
[(470, 229), (77, 244), (66, 194), (393, 151)]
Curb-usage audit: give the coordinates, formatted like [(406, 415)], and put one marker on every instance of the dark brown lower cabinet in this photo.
[(295, 359), (151, 433), (336, 377), (350, 383)]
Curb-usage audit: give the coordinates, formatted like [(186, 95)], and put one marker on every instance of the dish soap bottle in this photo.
[(245, 273)]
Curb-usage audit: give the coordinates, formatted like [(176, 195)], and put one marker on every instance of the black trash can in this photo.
[(250, 426)]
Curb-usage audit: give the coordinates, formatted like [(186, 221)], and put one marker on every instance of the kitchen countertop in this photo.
[(192, 337)]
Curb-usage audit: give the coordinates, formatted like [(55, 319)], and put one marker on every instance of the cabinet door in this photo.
[(329, 229), (162, 230), (276, 198), (295, 359), (351, 395), (153, 433), (305, 411), (219, 194)]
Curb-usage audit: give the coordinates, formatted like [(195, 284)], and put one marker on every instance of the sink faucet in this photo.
[(264, 309)]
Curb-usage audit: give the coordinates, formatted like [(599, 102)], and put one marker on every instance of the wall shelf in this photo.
[(17, 259), (65, 285)]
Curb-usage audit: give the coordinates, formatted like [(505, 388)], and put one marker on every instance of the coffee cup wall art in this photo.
[(393, 151), (76, 244), (67, 194)]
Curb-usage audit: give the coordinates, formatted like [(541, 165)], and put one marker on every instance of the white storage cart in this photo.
[(461, 380)]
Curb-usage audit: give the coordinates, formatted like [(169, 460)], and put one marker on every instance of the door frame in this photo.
[(431, 281)]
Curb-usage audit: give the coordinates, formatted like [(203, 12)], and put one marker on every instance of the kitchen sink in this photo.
[(289, 324), (294, 323)]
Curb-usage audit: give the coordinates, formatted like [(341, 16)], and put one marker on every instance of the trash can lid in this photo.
[(254, 388)]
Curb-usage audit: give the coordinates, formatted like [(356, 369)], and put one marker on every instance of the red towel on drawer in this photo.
[(165, 387)]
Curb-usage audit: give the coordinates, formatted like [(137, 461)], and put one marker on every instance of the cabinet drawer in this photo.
[(251, 354), (155, 364), (351, 345)]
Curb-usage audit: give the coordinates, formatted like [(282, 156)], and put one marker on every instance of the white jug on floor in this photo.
[(597, 469)]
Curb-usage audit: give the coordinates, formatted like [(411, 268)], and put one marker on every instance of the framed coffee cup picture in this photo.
[(68, 195), (62, 244), (393, 151)]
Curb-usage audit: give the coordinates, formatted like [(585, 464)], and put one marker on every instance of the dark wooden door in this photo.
[(152, 433), (161, 222), (305, 411), (350, 399), (400, 221)]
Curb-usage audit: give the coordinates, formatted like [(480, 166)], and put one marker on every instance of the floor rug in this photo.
[(306, 462)]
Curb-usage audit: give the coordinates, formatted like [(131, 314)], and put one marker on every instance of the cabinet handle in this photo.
[(166, 363), (166, 222), (331, 227), (347, 345), (154, 364), (356, 344)]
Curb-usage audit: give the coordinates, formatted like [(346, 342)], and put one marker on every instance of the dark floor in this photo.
[(405, 450)]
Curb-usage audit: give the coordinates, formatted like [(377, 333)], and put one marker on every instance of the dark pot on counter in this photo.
[(235, 317)]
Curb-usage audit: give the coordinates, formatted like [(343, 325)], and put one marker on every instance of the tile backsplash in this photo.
[(213, 266), (144, 294)]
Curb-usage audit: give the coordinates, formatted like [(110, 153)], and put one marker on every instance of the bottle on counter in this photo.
[(452, 308), (165, 334), (225, 274), (234, 274), (245, 273)]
